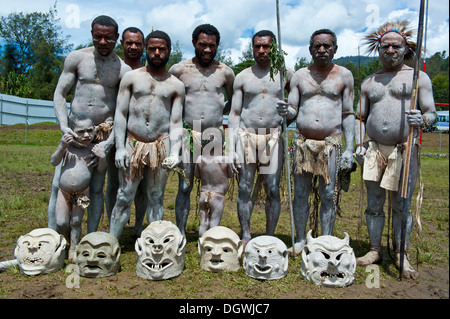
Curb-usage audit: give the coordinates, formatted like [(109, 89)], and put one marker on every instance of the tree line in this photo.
[(33, 49)]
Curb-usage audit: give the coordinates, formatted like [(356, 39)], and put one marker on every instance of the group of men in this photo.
[(139, 112)]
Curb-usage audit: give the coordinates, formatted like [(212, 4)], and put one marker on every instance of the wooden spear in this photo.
[(406, 183), (286, 143)]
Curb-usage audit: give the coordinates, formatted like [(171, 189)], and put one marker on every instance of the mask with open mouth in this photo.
[(328, 261), (220, 249), (161, 251), (41, 251), (98, 255), (266, 258)]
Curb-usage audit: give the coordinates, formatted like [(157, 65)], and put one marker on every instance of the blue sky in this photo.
[(236, 19)]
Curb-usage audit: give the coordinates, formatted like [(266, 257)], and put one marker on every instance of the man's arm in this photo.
[(234, 118), (426, 114), (348, 120), (362, 111), (176, 122), (229, 76), (66, 80), (120, 122)]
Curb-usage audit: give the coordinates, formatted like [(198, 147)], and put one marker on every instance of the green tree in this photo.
[(36, 49), (176, 55), (301, 63)]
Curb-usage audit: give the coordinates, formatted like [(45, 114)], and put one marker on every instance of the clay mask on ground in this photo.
[(41, 251), (328, 261), (266, 258), (220, 249), (161, 251), (98, 255)]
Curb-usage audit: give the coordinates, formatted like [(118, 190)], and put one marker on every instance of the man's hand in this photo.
[(359, 155), (69, 131), (283, 108), (171, 162), (347, 160), (234, 162), (122, 158), (414, 118), (99, 151)]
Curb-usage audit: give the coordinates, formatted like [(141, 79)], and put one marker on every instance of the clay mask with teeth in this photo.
[(98, 255), (220, 249), (328, 261), (161, 251), (41, 251), (266, 258)]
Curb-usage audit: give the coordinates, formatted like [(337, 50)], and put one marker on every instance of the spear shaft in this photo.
[(286, 142), (406, 183)]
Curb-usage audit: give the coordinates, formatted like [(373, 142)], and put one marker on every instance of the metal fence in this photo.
[(16, 110)]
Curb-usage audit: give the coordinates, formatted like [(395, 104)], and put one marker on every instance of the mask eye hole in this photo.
[(338, 257), (325, 255), (101, 255), (166, 240)]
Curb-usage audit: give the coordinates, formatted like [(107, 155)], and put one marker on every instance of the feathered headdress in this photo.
[(373, 40)]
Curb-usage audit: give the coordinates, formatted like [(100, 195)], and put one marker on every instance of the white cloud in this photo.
[(236, 19)]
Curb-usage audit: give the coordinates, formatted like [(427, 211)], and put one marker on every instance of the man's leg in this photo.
[(326, 195), (375, 218), (112, 183), (95, 208), (302, 189), (183, 199), (244, 200), (397, 210), (157, 180), (125, 195), (51, 211), (141, 204), (272, 185)]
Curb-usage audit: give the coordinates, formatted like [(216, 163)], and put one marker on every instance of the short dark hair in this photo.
[(105, 21), (157, 34), (323, 31), (132, 30), (264, 33), (80, 116), (207, 29)]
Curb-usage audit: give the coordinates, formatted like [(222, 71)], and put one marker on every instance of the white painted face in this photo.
[(161, 251), (98, 255), (328, 261), (220, 249), (266, 258), (41, 251)]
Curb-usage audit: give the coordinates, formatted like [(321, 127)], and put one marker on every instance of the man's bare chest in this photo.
[(102, 74), (331, 88), (206, 80)]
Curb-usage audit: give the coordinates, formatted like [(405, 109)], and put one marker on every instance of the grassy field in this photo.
[(25, 183)]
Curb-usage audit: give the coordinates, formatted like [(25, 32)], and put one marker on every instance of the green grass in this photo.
[(25, 184)]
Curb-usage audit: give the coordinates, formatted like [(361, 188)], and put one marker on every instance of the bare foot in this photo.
[(408, 271), (297, 249), (372, 257)]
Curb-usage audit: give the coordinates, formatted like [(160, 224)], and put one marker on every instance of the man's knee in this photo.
[(75, 221), (373, 213), (123, 198)]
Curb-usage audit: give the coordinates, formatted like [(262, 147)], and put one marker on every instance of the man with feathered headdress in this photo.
[(383, 114)]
